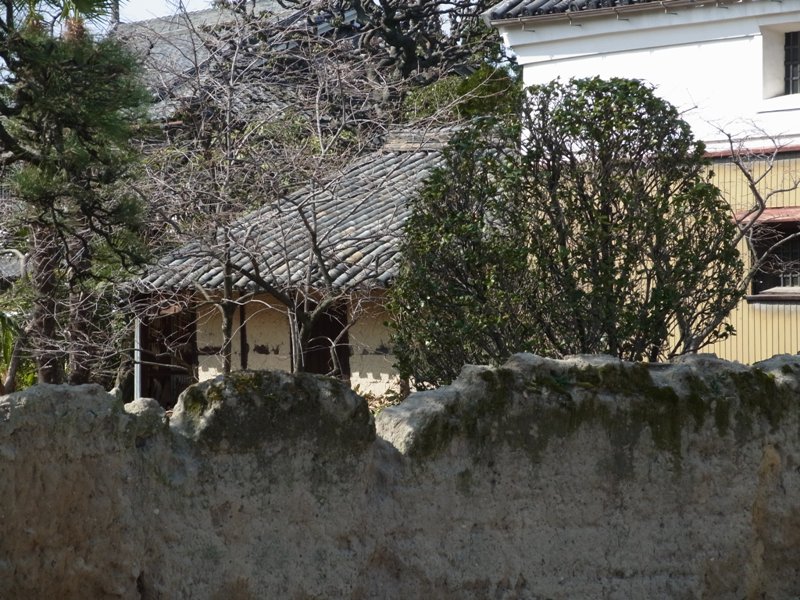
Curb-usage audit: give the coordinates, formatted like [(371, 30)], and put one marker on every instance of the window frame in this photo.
[(773, 283), (773, 68), (791, 63)]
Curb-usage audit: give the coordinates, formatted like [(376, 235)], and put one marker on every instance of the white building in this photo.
[(733, 69), (723, 63)]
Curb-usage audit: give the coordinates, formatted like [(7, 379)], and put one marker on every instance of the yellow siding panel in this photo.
[(763, 330)]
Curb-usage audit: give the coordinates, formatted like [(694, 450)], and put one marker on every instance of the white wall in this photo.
[(371, 363), (267, 328), (720, 65)]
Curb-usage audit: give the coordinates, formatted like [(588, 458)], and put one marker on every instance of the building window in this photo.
[(781, 268), (791, 62)]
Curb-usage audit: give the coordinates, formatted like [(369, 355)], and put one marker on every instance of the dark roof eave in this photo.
[(598, 13)]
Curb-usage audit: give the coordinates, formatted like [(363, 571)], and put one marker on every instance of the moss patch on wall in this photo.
[(526, 406), (243, 410)]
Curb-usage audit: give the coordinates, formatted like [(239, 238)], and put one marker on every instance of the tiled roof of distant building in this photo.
[(175, 54), (517, 9)]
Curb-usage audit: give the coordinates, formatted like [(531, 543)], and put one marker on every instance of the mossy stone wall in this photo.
[(578, 478)]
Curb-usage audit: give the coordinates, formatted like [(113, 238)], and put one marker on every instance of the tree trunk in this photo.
[(10, 384), (227, 309), (43, 326), (80, 317), (79, 352), (295, 341)]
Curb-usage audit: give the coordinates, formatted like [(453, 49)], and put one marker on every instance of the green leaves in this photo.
[(74, 105), (600, 234), (490, 90), (78, 102)]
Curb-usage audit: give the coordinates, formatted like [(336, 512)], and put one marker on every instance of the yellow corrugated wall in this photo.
[(763, 330)]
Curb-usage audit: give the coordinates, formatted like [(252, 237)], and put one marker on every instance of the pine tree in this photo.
[(70, 106)]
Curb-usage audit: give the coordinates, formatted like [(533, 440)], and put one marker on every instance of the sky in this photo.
[(138, 10)]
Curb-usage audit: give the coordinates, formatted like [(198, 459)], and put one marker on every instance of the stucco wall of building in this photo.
[(763, 329), (266, 333), (372, 361), (268, 345)]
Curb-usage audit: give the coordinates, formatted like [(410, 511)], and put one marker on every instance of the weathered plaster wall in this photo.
[(583, 478), (372, 362), (267, 333)]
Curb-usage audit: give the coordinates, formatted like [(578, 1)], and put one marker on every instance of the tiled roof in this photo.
[(516, 9), (358, 218), (175, 52), (173, 41)]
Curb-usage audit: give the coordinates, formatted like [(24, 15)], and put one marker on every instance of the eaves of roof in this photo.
[(519, 12)]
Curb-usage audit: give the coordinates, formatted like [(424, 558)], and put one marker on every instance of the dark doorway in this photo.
[(328, 349), (169, 355)]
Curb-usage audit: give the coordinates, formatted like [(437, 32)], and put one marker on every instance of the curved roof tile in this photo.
[(359, 217), (515, 9)]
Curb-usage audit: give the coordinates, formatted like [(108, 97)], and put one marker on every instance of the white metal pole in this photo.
[(137, 359)]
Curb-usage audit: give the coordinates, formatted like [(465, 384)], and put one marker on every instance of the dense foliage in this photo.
[(585, 223), (423, 40), (69, 107)]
